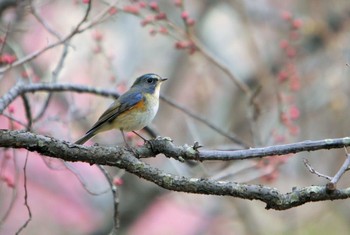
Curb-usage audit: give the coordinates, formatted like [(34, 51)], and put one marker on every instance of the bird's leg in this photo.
[(145, 140), (126, 143), (128, 146)]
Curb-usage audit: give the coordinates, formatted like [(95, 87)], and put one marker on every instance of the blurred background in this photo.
[(292, 58)]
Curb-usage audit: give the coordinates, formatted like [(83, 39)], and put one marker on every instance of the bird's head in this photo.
[(149, 83)]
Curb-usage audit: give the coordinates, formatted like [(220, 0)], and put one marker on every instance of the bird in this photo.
[(132, 111)]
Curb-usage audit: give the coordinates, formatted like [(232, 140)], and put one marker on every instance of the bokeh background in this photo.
[(293, 55)]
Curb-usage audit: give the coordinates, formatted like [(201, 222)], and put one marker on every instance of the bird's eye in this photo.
[(149, 80)]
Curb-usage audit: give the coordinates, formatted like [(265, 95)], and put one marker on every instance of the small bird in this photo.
[(132, 111)]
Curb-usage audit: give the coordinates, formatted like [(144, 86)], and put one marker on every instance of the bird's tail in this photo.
[(85, 138)]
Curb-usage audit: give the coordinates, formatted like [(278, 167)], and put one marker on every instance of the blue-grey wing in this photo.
[(122, 104)]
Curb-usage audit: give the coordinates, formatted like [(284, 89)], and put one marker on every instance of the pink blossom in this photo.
[(132, 9)]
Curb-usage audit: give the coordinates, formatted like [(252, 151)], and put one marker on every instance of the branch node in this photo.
[(180, 159), (331, 187), (150, 146), (196, 146)]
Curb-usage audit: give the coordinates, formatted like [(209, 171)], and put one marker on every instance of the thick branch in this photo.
[(125, 159)]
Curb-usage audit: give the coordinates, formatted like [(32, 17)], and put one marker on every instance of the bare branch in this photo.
[(3, 43), (332, 185), (304, 146), (313, 171), (14, 120), (81, 179), (11, 95), (43, 22), (115, 198), (125, 159), (25, 197), (55, 74), (241, 85), (7, 211), (28, 111), (21, 88), (342, 170)]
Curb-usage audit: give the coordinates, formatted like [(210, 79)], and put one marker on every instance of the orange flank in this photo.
[(140, 106)]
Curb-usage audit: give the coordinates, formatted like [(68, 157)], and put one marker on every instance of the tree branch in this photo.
[(21, 88), (125, 159), (304, 146)]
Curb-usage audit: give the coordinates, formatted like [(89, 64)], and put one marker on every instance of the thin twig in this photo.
[(28, 112), (14, 119), (332, 185), (43, 22), (14, 188), (115, 199), (313, 171), (241, 85), (60, 64), (55, 74), (14, 191), (82, 181), (25, 196), (231, 137), (4, 39), (43, 108)]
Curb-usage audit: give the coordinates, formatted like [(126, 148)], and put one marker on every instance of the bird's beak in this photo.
[(163, 79)]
